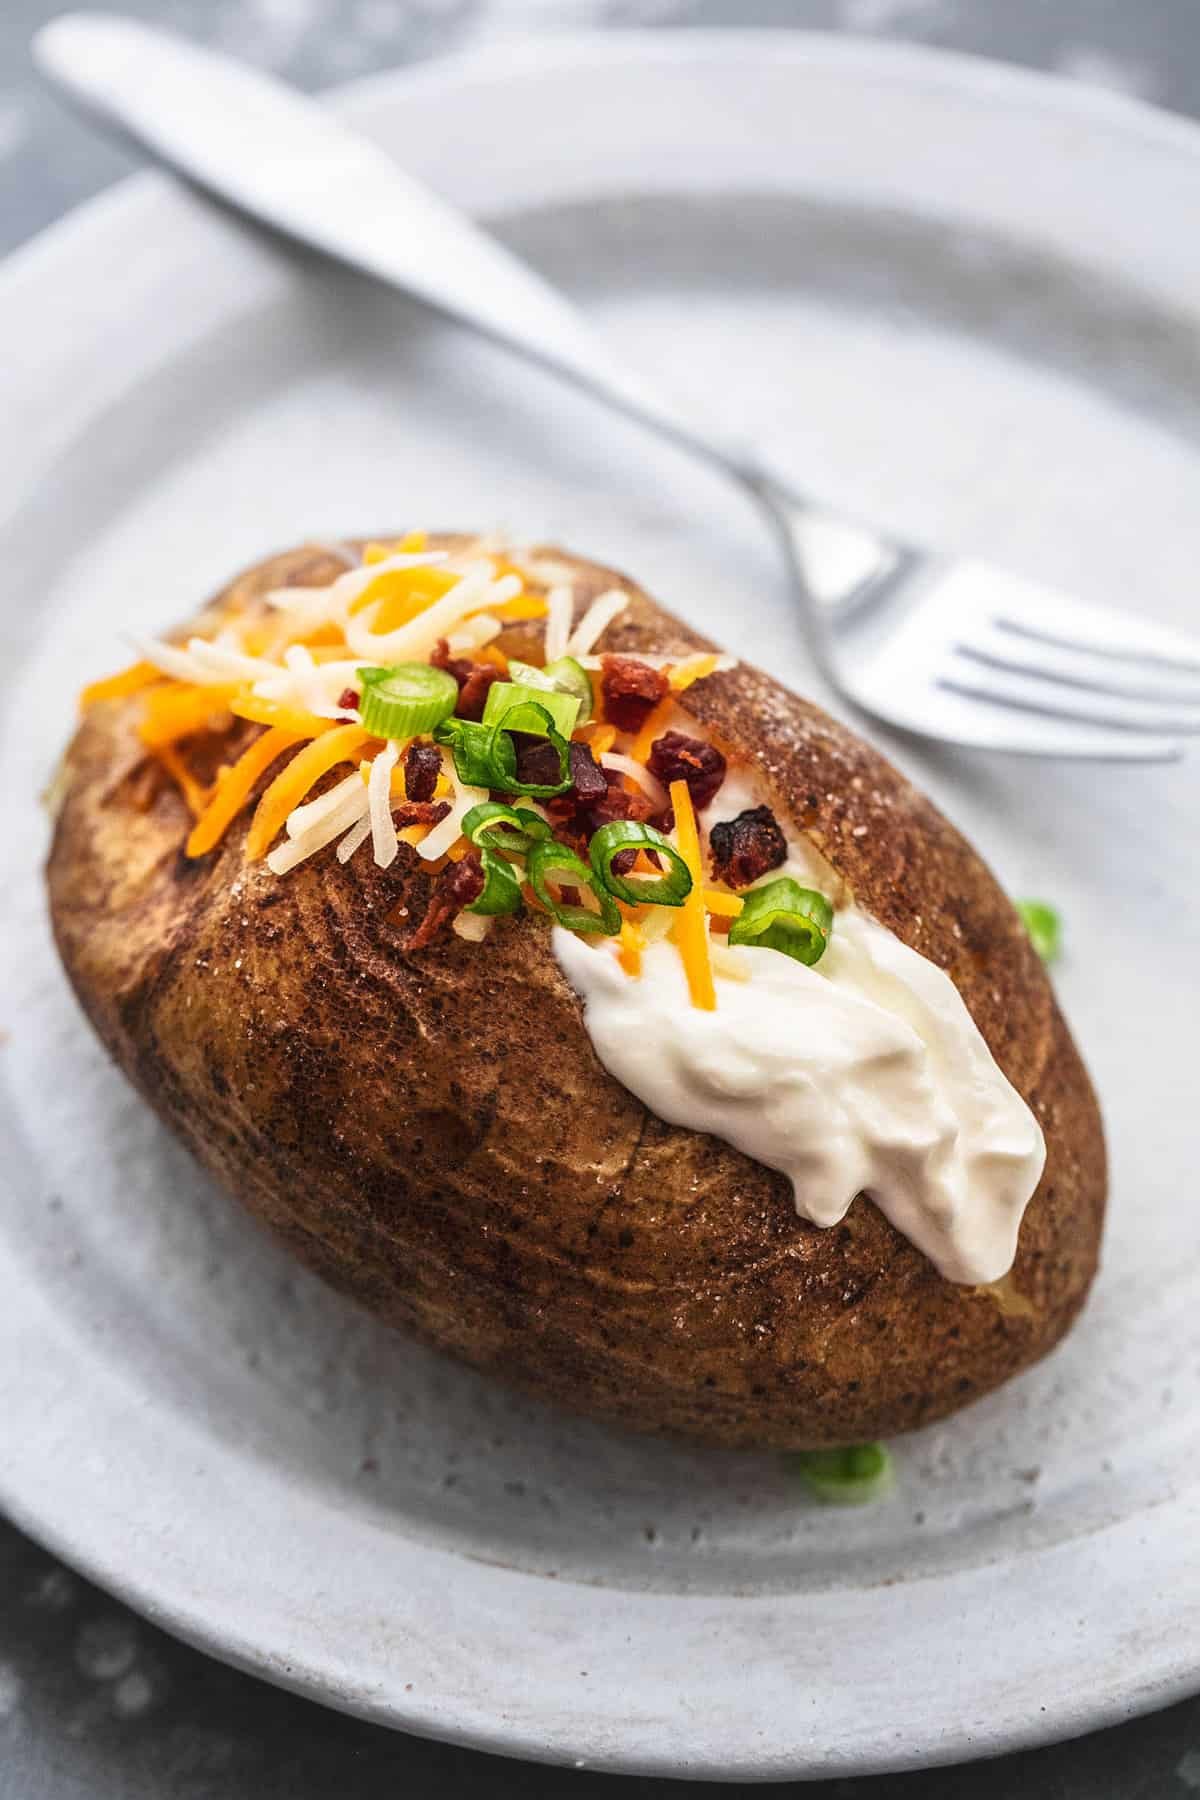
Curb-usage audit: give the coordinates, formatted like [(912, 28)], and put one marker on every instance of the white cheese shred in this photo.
[(560, 607), (650, 784), (596, 621), (384, 842)]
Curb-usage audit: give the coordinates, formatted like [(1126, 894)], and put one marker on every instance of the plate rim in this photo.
[(118, 207)]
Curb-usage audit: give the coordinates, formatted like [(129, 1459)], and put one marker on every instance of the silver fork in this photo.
[(947, 648)]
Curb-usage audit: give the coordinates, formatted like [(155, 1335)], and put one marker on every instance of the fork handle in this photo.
[(288, 162)]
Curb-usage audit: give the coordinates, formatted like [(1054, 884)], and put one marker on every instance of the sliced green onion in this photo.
[(1044, 927), (566, 675), (505, 697), (485, 755), (509, 828), (849, 1477), (550, 858), (781, 915), (529, 675), (482, 757), (532, 717), (405, 700), (570, 677), (501, 889), (671, 889)]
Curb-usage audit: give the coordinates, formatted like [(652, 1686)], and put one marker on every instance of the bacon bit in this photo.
[(472, 695), (419, 812), (631, 691), (589, 782), (422, 766), (348, 699), (458, 885), (474, 679), (676, 757), (746, 847), (132, 680), (537, 759)]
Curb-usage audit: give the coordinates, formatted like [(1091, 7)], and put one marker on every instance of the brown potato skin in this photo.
[(434, 1135)]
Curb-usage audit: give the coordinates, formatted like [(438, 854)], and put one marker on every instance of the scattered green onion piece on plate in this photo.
[(671, 889), (1044, 927), (405, 700), (781, 915), (501, 889), (850, 1477), (551, 859), (482, 757), (510, 828), (505, 697)]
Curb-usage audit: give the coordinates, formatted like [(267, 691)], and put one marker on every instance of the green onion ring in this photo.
[(529, 717), (671, 889), (549, 858), (509, 828), (501, 889), (1044, 927), (481, 757), (405, 700), (781, 915), (504, 697)]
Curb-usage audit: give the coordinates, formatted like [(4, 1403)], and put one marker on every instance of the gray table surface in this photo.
[(94, 1703)]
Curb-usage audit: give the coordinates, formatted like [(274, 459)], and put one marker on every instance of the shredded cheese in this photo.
[(474, 633), (194, 794), (472, 926), (132, 680), (289, 787), (442, 837), (384, 842), (691, 925), (650, 784), (656, 723), (693, 668), (560, 605), (274, 712), (178, 712), (303, 819), (288, 855), (354, 839), (234, 785), (726, 906), (414, 642), (596, 621)]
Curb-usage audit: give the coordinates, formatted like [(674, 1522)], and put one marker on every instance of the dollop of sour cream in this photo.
[(864, 1074)]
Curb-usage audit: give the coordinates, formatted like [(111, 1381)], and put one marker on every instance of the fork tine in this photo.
[(1061, 622), (1054, 700), (1079, 669)]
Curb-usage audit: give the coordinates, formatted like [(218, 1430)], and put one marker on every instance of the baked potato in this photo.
[(424, 1120)]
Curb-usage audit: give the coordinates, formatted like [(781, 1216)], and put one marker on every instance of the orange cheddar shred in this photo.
[(234, 785), (293, 719), (132, 680), (654, 727), (695, 668), (181, 710), (691, 927), (289, 787)]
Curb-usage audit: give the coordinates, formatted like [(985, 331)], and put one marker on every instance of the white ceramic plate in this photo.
[(965, 298)]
